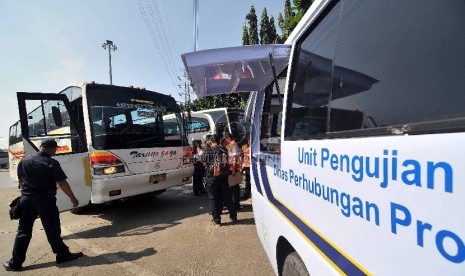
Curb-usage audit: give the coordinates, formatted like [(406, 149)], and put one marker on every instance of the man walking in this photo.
[(38, 176)]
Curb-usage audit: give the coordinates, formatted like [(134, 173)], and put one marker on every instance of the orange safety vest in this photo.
[(246, 161)]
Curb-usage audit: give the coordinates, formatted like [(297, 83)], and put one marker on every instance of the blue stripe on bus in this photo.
[(341, 261), (255, 176)]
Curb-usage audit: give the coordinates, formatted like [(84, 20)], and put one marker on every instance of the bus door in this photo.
[(50, 116), (246, 68)]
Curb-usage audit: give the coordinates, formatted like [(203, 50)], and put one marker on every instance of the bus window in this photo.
[(270, 138), (220, 119), (198, 124), (122, 122), (52, 119), (239, 125)]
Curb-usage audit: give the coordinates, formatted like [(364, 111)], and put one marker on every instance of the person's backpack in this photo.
[(220, 164)]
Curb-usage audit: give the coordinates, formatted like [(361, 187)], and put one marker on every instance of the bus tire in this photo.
[(294, 266)]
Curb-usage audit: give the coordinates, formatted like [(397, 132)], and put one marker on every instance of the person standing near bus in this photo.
[(199, 169), (38, 176), (217, 186), (246, 169), (235, 161)]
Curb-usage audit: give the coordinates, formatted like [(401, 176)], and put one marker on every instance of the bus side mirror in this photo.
[(57, 116)]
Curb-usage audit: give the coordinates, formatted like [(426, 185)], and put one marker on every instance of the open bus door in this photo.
[(250, 68), (44, 115)]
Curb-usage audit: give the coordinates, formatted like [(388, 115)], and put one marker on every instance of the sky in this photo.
[(49, 44)]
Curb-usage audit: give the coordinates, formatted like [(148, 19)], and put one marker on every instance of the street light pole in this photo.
[(111, 47)]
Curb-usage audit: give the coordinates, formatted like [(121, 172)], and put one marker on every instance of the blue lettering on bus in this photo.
[(402, 217), (385, 168)]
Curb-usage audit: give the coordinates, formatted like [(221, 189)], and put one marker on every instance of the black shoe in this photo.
[(69, 257), (8, 267), (234, 220), (217, 222)]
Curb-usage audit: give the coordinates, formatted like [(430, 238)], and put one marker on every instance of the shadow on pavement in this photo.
[(142, 216), (103, 259)]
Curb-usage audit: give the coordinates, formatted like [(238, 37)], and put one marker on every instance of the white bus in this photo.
[(111, 140), (367, 172)]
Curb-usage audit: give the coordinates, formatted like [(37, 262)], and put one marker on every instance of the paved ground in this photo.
[(170, 234)]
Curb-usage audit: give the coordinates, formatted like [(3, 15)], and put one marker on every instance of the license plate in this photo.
[(157, 178)]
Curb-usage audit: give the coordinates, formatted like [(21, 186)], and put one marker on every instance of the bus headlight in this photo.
[(108, 170)]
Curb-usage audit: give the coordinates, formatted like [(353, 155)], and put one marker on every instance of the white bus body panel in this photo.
[(367, 240), (76, 168), (137, 184), (140, 164)]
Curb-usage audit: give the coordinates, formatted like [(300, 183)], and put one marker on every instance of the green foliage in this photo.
[(268, 33), (265, 28), (292, 16), (298, 11), (236, 100), (253, 26), (275, 38), (245, 36)]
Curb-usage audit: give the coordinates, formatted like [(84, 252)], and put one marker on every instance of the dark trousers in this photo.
[(197, 182), (236, 196), (247, 189), (218, 193), (45, 207)]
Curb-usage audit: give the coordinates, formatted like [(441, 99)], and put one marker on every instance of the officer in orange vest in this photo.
[(246, 169)]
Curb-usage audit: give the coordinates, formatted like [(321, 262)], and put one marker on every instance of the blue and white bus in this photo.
[(357, 137)]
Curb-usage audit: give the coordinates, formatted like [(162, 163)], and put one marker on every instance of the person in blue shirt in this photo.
[(38, 176)]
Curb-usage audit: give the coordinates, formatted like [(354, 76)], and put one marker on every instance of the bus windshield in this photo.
[(122, 119), (230, 120)]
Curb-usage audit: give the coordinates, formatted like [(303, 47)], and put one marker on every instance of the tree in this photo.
[(284, 20), (253, 26), (298, 11), (268, 33), (273, 34), (245, 35), (264, 28), (236, 100)]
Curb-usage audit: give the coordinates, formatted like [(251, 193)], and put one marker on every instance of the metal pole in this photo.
[(111, 47), (196, 23), (109, 61)]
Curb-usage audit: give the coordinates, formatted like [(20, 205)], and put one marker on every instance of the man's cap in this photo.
[(49, 143)]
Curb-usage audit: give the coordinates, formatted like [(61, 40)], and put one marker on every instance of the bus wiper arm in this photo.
[(275, 78)]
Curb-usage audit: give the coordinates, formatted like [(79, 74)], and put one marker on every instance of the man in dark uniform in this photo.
[(38, 176), (217, 186)]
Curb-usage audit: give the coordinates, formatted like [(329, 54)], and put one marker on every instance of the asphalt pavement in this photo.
[(170, 234)]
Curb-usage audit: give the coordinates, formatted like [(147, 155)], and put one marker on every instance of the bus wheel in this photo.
[(294, 266)]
